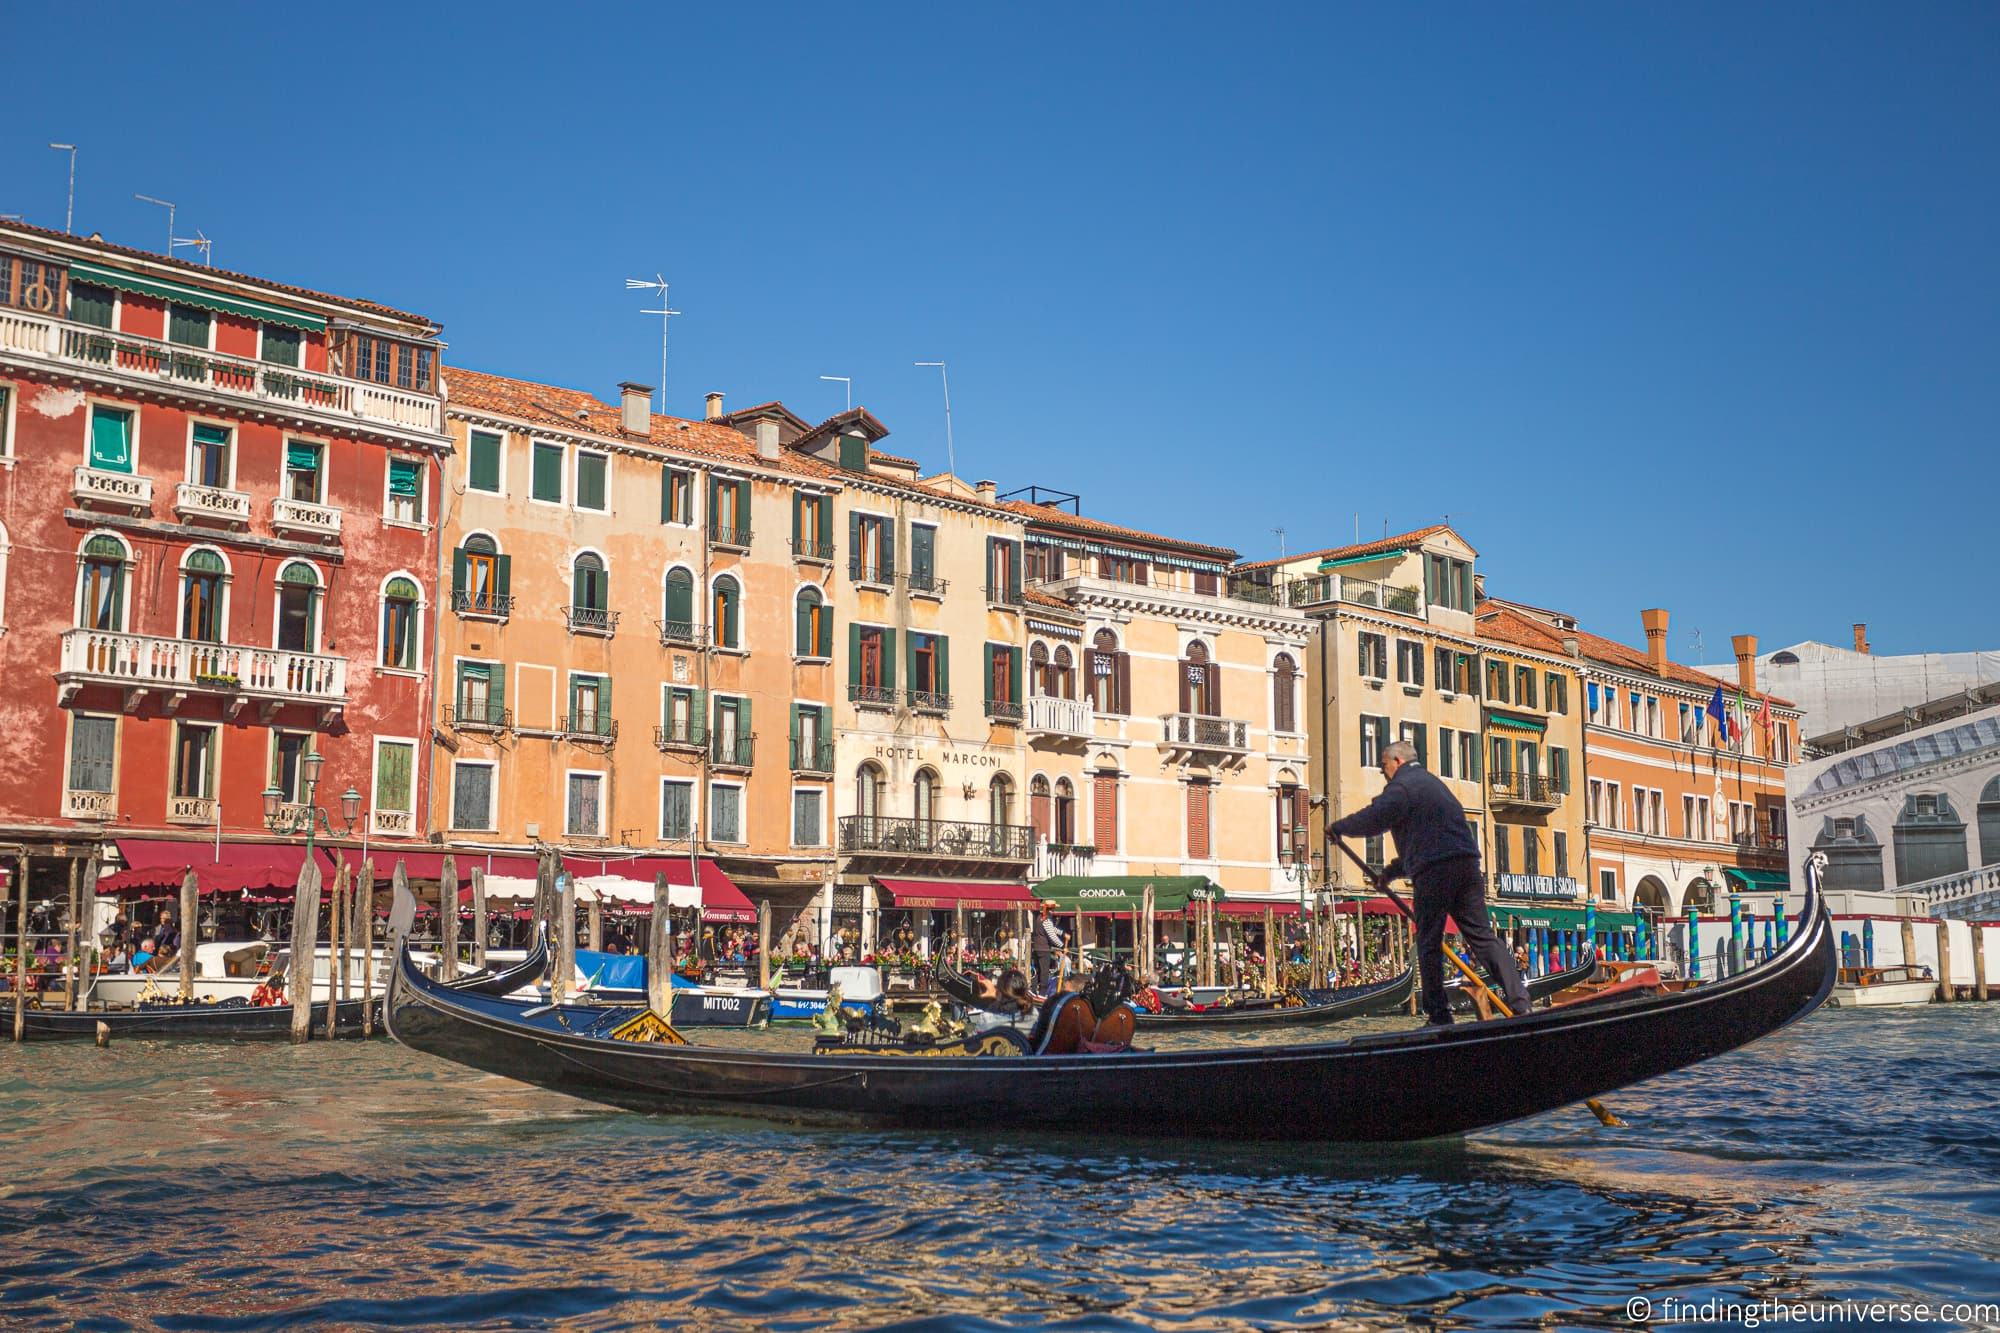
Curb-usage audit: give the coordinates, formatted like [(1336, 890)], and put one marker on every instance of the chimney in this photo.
[(1655, 621), (767, 433), (1860, 638), (1572, 645), (1746, 661), (987, 491), (636, 408), (714, 408)]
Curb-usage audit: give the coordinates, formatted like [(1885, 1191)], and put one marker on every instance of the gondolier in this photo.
[(1436, 851), (1046, 945)]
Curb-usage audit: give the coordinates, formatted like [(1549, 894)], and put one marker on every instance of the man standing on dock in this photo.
[(1435, 848)]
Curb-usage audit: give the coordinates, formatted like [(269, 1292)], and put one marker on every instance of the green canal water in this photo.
[(1853, 1156)]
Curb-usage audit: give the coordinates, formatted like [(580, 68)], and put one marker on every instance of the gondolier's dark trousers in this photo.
[(1454, 889)]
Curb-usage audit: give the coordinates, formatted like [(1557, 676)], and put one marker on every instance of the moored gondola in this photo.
[(513, 977), (1319, 1006), (1411, 1084), (192, 1022), (1539, 988)]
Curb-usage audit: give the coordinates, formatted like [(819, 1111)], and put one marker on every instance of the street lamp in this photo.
[(307, 817)]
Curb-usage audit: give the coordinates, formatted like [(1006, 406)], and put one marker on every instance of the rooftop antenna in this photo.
[(1700, 650), (1281, 542), (69, 214), (950, 454), (665, 313), (147, 198), (847, 380), (200, 242)]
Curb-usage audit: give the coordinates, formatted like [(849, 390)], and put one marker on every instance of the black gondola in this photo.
[(195, 1022), (512, 978), (1412, 1084), (1321, 1006), (1539, 988)]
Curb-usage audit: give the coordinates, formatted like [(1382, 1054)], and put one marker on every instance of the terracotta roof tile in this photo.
[(1508, 626), (1049, 516), (1036, 597), (1401, 539), (203, 271)]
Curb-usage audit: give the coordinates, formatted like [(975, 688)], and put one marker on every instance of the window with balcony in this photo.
[(1373, 652), (401, 604), (480, 698), (869, 785), (406, 491), (923, 559), (482, 462), (729, 512), (589, 706), (1110, 675), (591, 472), (725, 612), (871, 542), (190, 326), (812, 752), (386, 361), (812, 526), (808, 817), (93, 305), (279, 346), (480, 576), (195, 747), (676, 809), (93, 751), (583, 810), (676, 495), (814, 630), (924, 794), (681, 713), (1065, 812), (871, 664), (28, 284), (112, 438), (1003, 571), (1003, 681), (204, 579), (545, 481), (1284, 693), (305, 472), (725, 812), (733, 738), (930, 671), (288, 752), (209, 457), (1200, 682), (589, 594), (472, 794), (1556, 694), (101, 584), (1000, 800), (1121, 568), (395, 784), (298, 608)]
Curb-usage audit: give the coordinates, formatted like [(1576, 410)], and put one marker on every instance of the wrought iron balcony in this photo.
[(1068, 719), (122, 489), (316, 520), (732, 751), (1317, 588), (214, 504), (483, 605), (927, 701), (1004, 710), (680, 733), (681, 634), (810, 756), (939, 838), (1192, 731), (729, 536), (871, 571), (173, 668), (474, 715), (923, 583), (1003, 595), (594, 620), (584, 724), (805, 548), (1772, 844), (1525, 791), (872, 696)]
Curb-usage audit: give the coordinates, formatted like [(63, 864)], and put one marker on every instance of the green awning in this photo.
[(195, 296), (1373, 556), (1123, 893), (1758, 881), (1555, 918), (1496, 718)]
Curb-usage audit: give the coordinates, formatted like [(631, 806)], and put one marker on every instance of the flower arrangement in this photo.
[(995, 958)]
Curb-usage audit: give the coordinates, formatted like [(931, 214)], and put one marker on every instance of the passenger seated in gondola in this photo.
[(1008, 994), (144, 956)]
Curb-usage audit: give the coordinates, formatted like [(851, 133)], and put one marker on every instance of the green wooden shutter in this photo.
[(798, 518), (666, 494), (888, 548), (680, 597), (483, 461), (110, 439), (732, 613), (402, 477), (1014, 676), (825, 644), (803, 643), (911, 649), (603, 704), (743, 509), (746, 744), (944, 664), (854, 541), (888, 659), (825, 503), (1013, 569), (503, 567), (794, 733), (986, 676), (853, 655), (496, 686), (458, 572)]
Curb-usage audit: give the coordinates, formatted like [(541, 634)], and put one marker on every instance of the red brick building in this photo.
[(219, 498)]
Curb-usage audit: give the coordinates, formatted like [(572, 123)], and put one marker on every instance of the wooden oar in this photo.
[(1381, 884)]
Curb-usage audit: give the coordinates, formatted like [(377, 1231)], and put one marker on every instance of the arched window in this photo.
[(1201, 683), (1284, 694), (400, 600), (815, 625), (589, 593), (1038, 669), (1065, 831), (1110, 674), (1040, 813), (868, 790), (1000, 800), (1063, 674), (1989, 823), (926, 794), (677, 623), (1929, 838), (203, 576), (101, 585), (479, 578), (298, 608), (723, 614)]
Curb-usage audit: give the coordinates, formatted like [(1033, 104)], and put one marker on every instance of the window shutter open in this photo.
[(943, 665), (803, 642), (987, 675), (503, 568), (458, 572), (1014, 675), (1013, 569), (798, 518), (888, 659), (1124, 701), (854, 540), (888, 548), (1104, 812), (853, 655), (825, 642), (743, 508)]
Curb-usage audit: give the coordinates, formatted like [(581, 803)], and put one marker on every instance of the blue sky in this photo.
[(1694, 306)]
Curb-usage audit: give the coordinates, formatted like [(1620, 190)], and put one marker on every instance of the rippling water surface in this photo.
[(362, 1185)]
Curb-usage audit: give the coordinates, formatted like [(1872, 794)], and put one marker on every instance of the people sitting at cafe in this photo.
[(144, 957)]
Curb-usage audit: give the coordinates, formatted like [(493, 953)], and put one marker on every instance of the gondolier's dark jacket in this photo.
[(1426, 819)]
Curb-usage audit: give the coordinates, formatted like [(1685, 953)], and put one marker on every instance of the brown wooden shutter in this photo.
[(1104, 812), (1212, 682), (1197, 817), (1038, 814), (1123, 703), (1187, 690)]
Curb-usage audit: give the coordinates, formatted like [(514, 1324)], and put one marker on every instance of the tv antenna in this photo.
[(69, 215), (847, 380), (950, 453), (1281, 541), (665, 312), (200, 242), (1700, 649), (147, 198)]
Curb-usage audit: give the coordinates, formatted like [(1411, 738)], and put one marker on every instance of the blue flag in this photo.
[(1719, 711)]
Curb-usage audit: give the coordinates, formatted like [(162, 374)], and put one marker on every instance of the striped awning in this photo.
[(1515, 722), (182, 294)]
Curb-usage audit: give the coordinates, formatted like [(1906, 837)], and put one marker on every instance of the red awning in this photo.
[(949, 893), (1238, 908), (157, 865)]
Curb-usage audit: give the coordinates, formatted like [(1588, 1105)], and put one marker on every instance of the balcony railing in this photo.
[(943, 838), (1773, 843), (1524, 789), (94, 486), (927, 701), (870, 571), (190, 809), (732, 751), (195, 501), (304, 516), (1316, 588), (1059, 858), (483, 605), (1004, 710), (591, 620), (142, 662), (395, 823), (1192, 731), (88, 805), (872, 696), (585, 724), (1003, 595), (810, 756), (471, 715), (923, 583), (680, 733), (805, 548), (1051, 716), (61, 342), (681, 634), (728, 535)]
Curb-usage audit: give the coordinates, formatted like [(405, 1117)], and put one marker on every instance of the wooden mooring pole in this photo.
[(763, 944), (69, 954), (479, 922), (1978, 960), (336, 954), (21, 949), (364, 921), (1946, 992), (305, 942), (660, 952), (448, 919), (184, 951)]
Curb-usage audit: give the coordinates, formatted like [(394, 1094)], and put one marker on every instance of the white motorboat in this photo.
[(1876, 987), (231, 969)]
